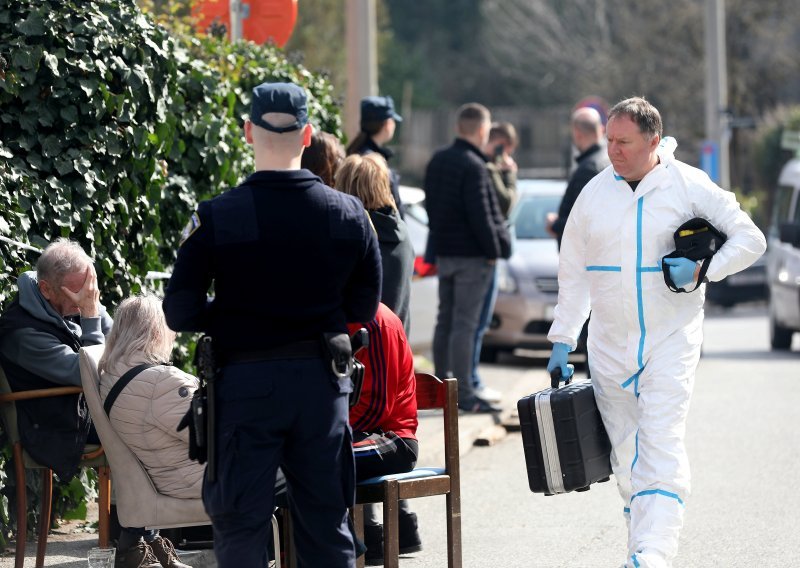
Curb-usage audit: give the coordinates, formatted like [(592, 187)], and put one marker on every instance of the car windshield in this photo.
[(530, 216)]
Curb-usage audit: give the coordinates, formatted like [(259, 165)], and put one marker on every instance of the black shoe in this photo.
[(409, 540), (480, 406), (373, 539)]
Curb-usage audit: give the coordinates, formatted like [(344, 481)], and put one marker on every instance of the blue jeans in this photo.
[(486, 317), (463, 285)]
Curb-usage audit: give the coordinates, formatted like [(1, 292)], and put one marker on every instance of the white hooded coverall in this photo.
[(644, 340)]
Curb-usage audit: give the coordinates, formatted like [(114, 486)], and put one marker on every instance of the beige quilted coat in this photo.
[(146, 415)]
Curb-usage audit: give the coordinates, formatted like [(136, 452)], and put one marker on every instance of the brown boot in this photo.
[(166, 554), (138, 556)]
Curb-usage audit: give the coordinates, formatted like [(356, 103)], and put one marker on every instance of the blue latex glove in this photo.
[(681, 270), (558, 359)]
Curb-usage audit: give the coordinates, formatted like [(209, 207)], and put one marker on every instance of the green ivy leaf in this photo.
[(35, 160), (52, 63), (51, 146), (88, 86), (69, 114), (63, 165), (33, 25)]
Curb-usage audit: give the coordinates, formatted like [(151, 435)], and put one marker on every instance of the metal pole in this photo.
[(362, 59), (717, 127), (236, 20)]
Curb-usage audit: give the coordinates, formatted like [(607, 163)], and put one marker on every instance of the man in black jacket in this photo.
[(587, 132), (468, 235)]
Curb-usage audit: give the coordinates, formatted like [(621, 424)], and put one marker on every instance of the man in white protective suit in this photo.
[(644, 340)]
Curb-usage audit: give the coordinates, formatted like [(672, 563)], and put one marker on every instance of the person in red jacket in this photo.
[(384, 423)]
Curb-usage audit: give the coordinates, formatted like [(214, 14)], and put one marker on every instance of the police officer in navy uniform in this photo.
[(377, 126), (290, 259)]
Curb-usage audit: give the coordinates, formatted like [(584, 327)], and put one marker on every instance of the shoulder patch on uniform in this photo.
[(191, 227)]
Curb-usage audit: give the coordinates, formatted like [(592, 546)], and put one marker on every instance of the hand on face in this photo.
[(87, 295), (508, 163)]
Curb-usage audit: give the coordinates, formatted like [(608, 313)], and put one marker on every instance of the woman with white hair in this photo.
[(146, 414)]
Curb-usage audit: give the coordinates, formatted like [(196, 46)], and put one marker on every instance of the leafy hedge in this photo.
[(111, 131)]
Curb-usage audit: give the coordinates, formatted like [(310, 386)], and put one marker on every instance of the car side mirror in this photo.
[(790, 233)]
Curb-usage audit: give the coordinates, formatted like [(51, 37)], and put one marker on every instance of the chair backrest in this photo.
[(138, 502), (8, 411), (124, 462), (434, 393)]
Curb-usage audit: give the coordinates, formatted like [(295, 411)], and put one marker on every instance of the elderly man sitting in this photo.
[(56, 312)]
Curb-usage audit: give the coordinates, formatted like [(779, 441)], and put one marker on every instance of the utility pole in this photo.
[(237, 15), (362, 59), (717, 114)]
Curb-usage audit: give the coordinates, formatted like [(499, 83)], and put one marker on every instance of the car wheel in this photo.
[(780, 338)]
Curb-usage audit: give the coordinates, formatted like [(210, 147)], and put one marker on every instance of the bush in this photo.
[(112, 131)]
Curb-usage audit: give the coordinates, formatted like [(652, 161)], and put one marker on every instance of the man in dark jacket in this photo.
[(468, 235), (587, 132), (56, 312)]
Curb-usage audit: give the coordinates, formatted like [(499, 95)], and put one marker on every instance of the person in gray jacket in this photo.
[(56, 312)]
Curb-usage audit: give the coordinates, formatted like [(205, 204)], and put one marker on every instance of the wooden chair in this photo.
[(432, 393), (93, 458)]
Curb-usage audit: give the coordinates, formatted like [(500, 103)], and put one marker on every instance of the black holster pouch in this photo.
[(358, 341), (337, 349), (697, 240), (200, 416)]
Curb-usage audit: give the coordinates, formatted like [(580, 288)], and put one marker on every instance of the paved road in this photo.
[(744, 448)]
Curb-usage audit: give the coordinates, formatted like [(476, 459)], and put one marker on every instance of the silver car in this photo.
[(528, 281), (425, 285)]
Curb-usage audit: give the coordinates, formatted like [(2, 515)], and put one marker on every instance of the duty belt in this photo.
[(309, 349)]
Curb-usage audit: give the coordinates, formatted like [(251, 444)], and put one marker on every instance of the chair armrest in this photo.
[(39, 393), (94, 454)]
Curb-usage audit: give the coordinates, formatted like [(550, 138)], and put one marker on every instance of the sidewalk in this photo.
[(68, 546)]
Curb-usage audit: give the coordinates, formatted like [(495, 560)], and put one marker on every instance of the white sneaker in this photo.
[(488, 394)]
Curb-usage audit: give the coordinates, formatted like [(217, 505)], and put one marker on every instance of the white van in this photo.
[(783, 258)]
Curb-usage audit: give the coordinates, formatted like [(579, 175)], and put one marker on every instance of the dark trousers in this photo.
[(463, 285), (380, 453), (286, 413)]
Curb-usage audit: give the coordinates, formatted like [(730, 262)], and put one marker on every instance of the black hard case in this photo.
[(576, 431)]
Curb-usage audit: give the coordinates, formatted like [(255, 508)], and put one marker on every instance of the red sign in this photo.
[(263, 21)]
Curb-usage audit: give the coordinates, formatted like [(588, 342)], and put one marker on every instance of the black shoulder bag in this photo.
[(697, 240), (121, 384)]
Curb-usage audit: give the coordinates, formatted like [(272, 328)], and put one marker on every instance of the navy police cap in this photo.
[(284, 98), (374, 109)]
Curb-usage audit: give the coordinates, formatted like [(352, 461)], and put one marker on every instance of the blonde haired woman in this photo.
[(146, 414), (367, 177)]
